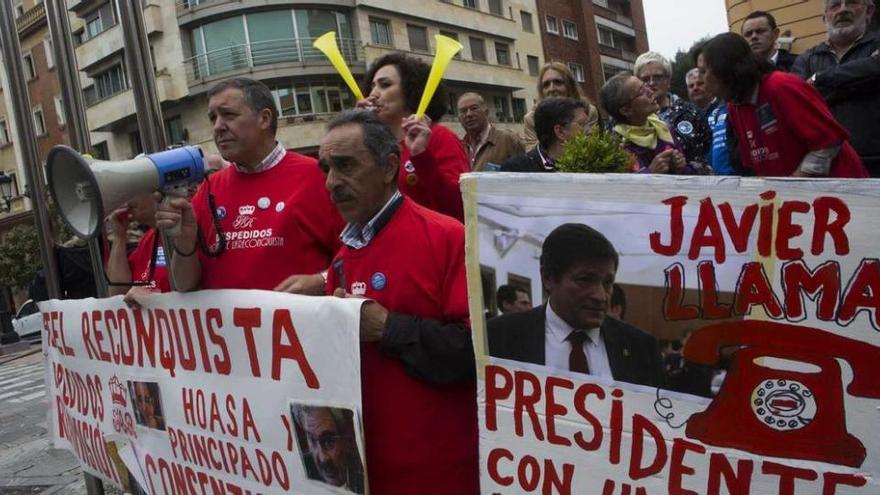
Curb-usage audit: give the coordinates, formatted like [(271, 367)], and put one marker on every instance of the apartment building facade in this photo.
[(595, 38), (196, 43)]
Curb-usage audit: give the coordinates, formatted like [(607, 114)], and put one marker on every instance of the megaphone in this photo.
[(86, 191)]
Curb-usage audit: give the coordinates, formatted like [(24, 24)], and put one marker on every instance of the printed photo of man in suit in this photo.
[(573, 330)]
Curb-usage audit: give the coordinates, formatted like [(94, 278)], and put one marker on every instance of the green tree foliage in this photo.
[(599, 152), (19, 256), (682, 63)]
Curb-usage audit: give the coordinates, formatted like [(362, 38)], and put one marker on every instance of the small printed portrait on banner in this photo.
[(327, 439), (147, 404)]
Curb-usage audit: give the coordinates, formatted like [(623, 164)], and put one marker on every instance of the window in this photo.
[(271, 38), (4, 133), (552, 26), (609, 71), (175, 131), (577, 70), (418, 38), (110, 82), (98, 21), (134, 142), (59, 111), (471, 4), (450, 34), (606, 37), (502, 108), (380, 31), (39, 121), (502, 53), (19, 9), (478, 49), (519, 109), (312, 98), (569, 30), (50, 54), (452, 107), (495, 7), (534, 64), (99, 151), (526, 20), (30, 71)]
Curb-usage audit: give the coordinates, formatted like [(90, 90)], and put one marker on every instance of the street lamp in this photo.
[(6, 189)]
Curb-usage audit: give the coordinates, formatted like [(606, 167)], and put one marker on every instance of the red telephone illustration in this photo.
[(778, 412)]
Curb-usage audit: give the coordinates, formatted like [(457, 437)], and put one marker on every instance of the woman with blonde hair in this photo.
[(555, 79)]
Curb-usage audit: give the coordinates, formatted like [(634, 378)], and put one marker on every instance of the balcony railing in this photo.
[(281, 51), (29, 18)]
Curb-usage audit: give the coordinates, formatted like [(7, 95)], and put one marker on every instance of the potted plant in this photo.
[(598, 152)]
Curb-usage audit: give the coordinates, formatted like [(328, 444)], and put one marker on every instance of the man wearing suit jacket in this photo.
[(572, 331)]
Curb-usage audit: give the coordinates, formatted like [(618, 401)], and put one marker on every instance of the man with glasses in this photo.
[(330, 453), (484, 143), (556, 120), (760, 30), (846, 70)]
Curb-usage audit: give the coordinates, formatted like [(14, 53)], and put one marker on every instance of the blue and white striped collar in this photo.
[(358, 237)]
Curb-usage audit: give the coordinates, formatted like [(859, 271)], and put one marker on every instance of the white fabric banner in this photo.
[(772, 287), (205, 392)]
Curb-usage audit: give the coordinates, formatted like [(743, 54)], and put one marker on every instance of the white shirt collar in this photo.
[(559, 329)]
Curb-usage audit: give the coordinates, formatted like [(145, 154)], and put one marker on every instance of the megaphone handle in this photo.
[(169, 194)]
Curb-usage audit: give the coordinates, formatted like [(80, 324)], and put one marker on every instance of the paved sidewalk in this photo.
[(28, 463)]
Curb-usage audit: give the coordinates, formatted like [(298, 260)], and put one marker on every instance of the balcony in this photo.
[(191, 12), (268, 56), (25, 23)]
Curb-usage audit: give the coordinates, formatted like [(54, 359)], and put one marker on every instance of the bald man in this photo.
[(483, 142)]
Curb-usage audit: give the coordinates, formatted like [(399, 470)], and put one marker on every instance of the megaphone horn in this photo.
[(86, 191), (446, 49), (327, 44)]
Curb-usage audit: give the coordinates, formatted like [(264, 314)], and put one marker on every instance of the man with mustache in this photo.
[(846, 70), (330, 451), (574, 331), (259, 220), (483, 142), (417, 360)]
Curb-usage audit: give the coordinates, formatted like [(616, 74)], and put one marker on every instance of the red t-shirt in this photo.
[(431, 178), (420, 438), (277, 223), (140, 261), (789, 120)]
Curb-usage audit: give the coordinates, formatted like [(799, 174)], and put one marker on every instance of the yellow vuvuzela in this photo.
[(446, 49), (327, 44)]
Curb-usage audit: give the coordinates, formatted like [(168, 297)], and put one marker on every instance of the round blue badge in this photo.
[(378, 281), (221, 212), (685, 127)]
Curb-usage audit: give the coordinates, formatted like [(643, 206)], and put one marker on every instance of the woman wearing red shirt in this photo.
[(783, 125), (145, 266), (431, 157)]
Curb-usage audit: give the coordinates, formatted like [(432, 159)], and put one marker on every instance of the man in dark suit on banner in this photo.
[(572, 331)]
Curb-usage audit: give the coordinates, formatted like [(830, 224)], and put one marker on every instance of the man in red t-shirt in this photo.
[(263, 218), (417, 361)]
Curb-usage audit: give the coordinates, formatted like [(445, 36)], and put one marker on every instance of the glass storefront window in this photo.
[(312, 98)]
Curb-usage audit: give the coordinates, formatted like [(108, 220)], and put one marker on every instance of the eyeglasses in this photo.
[(652, 78), (644, 90), (326, 441)]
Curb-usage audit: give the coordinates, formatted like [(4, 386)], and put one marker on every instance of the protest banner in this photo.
[(777, 281), (209, 392)]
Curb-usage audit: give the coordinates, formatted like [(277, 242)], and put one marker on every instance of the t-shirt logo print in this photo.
[(358, 288), (245, 218)]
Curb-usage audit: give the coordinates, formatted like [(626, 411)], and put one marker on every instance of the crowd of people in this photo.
[(379, 215)]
